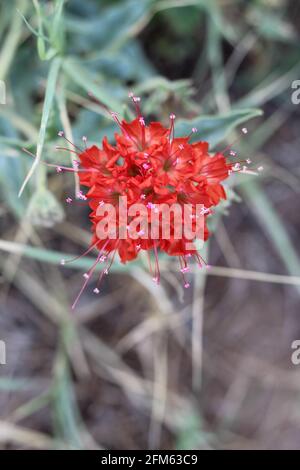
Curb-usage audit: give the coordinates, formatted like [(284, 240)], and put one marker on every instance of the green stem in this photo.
[(12, 40)]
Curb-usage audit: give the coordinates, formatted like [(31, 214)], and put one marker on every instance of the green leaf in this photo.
[(31, 29), (271, 87), (12, 39), (40, 39), (274, 27), (90, 84), (109, 28), (214, 129), (12, 168), (66, 414), (57, 26), (153, 83), (50, 93)]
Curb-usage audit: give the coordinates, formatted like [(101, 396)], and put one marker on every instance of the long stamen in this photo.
[(113, 114), (172, 127), (193, 131), (117, 121), (69, 200), (174, 154), (63, 262), (180, 147), (68, 168), (106, 269), (113, 256), (229, 147), (200, 261), (59, 168), (149, 263), (84, 140), (87, 278), (142, 123), (62, 134), (135, 100), (157, 271), (67, 149), (183, 270)]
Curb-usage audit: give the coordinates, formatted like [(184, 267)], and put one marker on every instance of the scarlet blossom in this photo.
[(150, 166)]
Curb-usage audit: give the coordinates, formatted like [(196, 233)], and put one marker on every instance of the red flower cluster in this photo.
[(150, 166)]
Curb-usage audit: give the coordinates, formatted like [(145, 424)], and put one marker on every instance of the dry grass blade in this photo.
[(160, 389), (21, 436)]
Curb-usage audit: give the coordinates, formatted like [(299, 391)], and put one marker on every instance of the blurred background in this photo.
[(144, 366)]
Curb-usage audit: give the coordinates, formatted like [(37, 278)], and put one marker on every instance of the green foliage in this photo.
[(212, 63), (215, 129)]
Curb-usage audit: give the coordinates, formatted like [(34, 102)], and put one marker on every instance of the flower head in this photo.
[(148, 167)]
